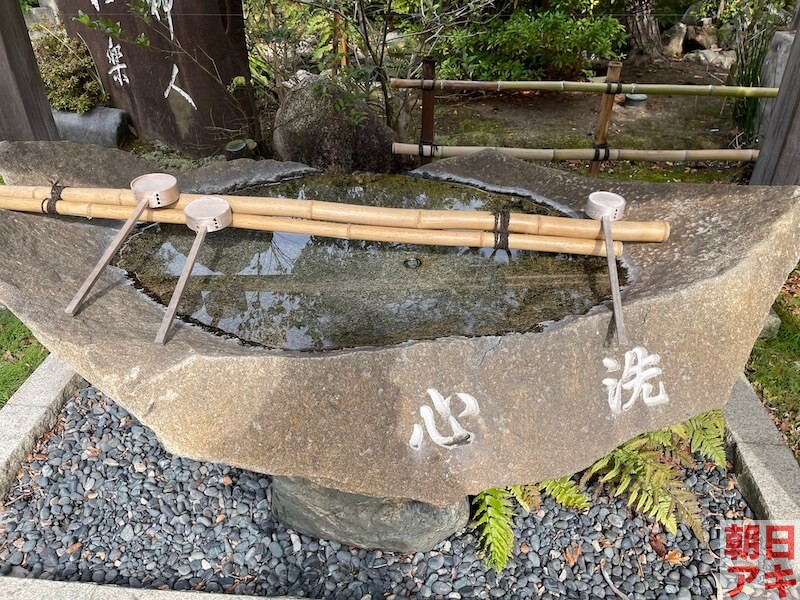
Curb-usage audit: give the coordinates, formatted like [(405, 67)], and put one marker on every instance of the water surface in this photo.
[(309, 293)]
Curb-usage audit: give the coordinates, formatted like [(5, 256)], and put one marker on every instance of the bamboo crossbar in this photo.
[(452, 85), (551, 154), (315, 210), (473, 239)]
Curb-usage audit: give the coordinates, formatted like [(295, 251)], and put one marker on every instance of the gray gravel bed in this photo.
[(101, 500)]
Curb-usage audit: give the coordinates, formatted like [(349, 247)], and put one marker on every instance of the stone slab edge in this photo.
[(12, 588), (32, 411), (766, 470)]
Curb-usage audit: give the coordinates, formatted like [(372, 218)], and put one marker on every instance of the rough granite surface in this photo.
[(344, 419), (68, 163)]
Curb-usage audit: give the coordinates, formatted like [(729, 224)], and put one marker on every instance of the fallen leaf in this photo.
[(657, 543), (74, 548), (571, 555), (674, 557)]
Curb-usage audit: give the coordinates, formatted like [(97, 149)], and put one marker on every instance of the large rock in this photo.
[(722, 59), (68, 163), (703, 37), (672, 40), (320, 125), (772, 74), (532, 406), (356, 520), (102, 126)]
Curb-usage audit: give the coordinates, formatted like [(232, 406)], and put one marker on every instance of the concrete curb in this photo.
[(32, 411), (12, 588), (766, 470)]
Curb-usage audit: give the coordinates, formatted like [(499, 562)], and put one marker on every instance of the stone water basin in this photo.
[(296, 292), (479, 398)]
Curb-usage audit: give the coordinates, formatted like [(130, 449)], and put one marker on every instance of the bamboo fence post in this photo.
[(606, 107), (428, 102), (338, 44)]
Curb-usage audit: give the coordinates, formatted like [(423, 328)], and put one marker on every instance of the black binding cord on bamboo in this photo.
[(55, 196), (502, 220), (606, 151)]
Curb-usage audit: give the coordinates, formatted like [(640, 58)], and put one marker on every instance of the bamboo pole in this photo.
[(410, 218), (472, 239), (582, 153), (451, 85), (606, 106)]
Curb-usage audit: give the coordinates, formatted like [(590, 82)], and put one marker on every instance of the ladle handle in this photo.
[(116, 243), (622, 334), (161, 337)]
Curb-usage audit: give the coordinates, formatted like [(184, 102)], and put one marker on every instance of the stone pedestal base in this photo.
[(363, 521)]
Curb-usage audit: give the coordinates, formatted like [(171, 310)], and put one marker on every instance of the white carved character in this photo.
[(459, 436), (156, 6), (640, 367), (118, 68), (172, 86)]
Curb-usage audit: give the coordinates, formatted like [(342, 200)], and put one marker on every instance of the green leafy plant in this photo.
[(553, 43), (646, 470), (27, 5), (20, 354), (68, 72), (753, 24), (494, 513)]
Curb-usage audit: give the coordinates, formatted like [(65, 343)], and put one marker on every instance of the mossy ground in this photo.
[(20, 354), (774, 367)]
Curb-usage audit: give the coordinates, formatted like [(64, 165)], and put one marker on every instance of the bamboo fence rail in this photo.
[(474, 239), (315, 210), (580, 153), (453, 85)]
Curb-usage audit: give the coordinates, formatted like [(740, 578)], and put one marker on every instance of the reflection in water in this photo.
[(311, 293)]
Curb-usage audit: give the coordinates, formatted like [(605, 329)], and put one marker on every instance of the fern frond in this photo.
[(528, 496), (707, 436), (566, 492), (494, 522)]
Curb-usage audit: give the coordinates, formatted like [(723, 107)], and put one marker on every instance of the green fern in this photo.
[(706, 434), (566, 492), (527, 496), (645, 469), (494, 520)]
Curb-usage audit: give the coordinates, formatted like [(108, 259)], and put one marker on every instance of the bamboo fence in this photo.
[(451, 85), (335, 212), (549, 154)]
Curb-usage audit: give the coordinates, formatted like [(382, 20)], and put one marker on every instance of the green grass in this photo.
[(774, 367), (20, 354)]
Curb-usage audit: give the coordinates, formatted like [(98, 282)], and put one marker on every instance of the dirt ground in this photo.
[(568, 120)]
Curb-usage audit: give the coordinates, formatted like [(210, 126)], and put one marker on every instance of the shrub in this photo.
[(68, 72), (553, 44)]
